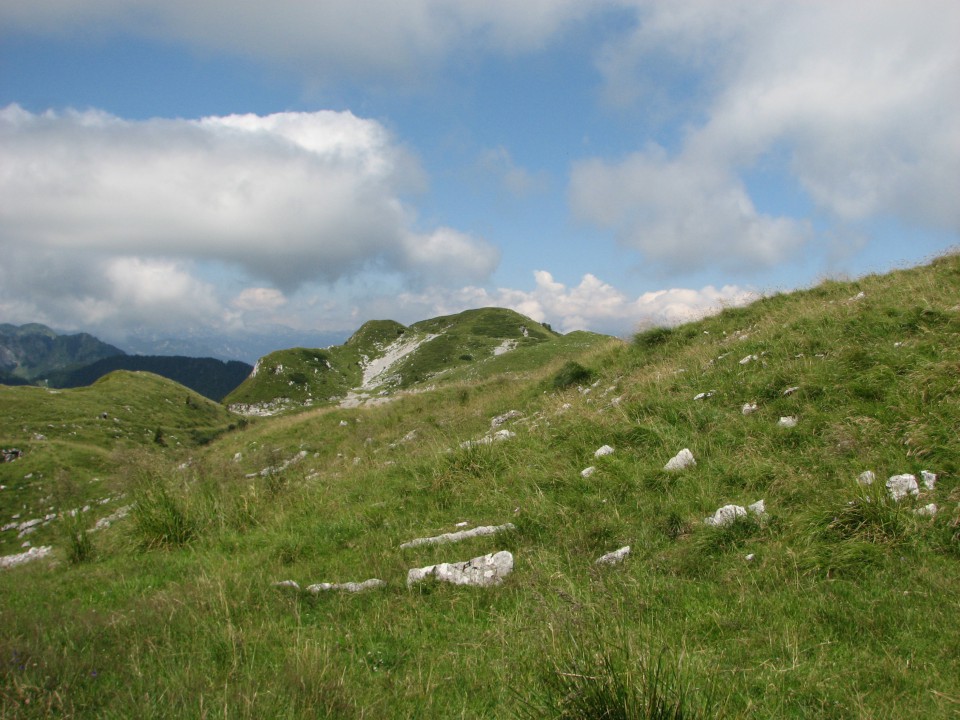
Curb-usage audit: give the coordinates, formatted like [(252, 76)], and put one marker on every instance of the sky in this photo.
[(268, 170)]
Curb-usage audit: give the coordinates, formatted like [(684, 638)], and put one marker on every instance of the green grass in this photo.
[(846, 608)]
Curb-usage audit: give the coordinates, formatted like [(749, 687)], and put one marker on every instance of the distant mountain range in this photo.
[(33, 354)]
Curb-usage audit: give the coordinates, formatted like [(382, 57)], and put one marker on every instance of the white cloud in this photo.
[(321, 38), (290, 198), (257, 299), (591, 305), (515, 179), (860, 97)]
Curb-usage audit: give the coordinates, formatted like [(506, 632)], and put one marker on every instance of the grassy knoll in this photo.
[(846, 607)]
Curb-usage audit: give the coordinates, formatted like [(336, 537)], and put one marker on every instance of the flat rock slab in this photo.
[(483, 571), (458, 536), (371, 584), (34, 553)]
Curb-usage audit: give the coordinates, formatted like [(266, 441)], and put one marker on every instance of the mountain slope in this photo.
[(383, 357), (836, 601), (32, 350)]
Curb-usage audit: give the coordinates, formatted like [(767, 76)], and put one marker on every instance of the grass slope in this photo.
[(847, 606), (444, 349), (77, 434)]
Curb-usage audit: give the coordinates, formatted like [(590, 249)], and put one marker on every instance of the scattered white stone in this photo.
[(587, 472), (681, 461), (344, 423), (615, 557), (237, 457), (34, 553), (506, 417), (749, 359), (280, 468), (749, 557), (603, 450), (900, 486), (566, 406), (929, 479), (748, 408), (287, 584), (347, 586), (859, 296), (725, 515), (791, 390), (866, 477), (458, 536), (704, 395), (482, 571), (898, 344), (105, 522), (462, 524), (927, 510), (728, 514), (788, 421)]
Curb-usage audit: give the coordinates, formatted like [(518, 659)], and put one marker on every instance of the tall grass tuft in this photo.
[(597, 680)]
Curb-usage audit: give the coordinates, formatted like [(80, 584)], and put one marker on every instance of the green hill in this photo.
[(384, 357), (82, 433), (837, 600)]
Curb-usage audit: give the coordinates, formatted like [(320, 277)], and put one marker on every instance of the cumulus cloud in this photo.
[(289, 198), (591, 305), (372, 36), (859, 97)]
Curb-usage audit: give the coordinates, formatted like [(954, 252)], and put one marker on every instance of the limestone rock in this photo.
[(929, 479), (900, 486), (588, 471), (483, 571), (748, 408), (725, 515), (681, 461), (927, 510), (458, 536), (604, 450), (353, 587), (615, 557), (292, 584), (866, 477), (34, 553), (787, 421)]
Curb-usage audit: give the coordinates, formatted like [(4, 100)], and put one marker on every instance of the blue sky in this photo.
[(208, 169)]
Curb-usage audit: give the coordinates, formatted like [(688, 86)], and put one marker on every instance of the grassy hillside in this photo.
[(836, 602), (77, 437), (384, 356)]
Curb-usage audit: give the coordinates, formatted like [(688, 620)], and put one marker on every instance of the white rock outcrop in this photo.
[(458, 536), (900, 486), (34, 553), (506, 417), (681, 461), (483, 571), (615, 557)]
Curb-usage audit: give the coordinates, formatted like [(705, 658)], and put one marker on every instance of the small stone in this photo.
[(506, 417), (758, 508), (681, 461), (587, 472), (791, 390), (704, 395), (927, 510), (344, 423), (929, 479), (749, 557), (615, 557), (749, 359), (604, 450), (292, 584), (748, 408), (788, 421), (900, 486), (866, 477)]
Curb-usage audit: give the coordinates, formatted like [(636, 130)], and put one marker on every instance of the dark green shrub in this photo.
[(572, 373)]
